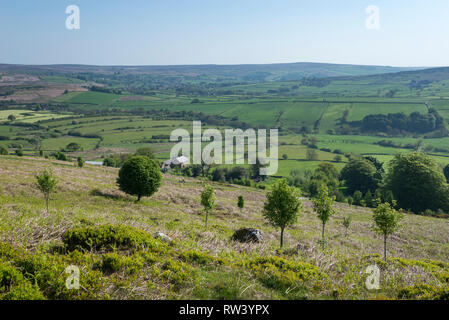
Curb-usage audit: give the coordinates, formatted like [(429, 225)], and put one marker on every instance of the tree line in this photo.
[(413, 182)]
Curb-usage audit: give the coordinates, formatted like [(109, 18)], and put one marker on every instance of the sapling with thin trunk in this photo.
[(208, 200), (282, 206), (346, 223), (386, 222), (322, 205), (46, 183)]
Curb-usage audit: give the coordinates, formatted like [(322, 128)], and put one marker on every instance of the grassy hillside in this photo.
[(199, 262)]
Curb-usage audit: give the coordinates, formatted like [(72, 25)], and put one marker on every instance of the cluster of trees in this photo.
[(236, 175), (414, 182), (72, 147), (105, 90), (398, 122), (419, 84), (283, 206), (310, 182), (419, 145), (75, 133), (118, 160)]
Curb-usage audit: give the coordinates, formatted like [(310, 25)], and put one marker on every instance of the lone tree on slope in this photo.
[(208, 199), (386, 222), (282, 206), (139, 176), (241, 202), (46, 183), (322, 205)]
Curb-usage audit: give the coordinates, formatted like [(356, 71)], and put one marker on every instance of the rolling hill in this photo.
[(244, 72)]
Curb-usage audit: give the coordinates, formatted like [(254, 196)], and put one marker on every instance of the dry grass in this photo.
[(90, 194)]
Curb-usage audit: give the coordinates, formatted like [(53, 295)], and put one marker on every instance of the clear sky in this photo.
[(150, 32)]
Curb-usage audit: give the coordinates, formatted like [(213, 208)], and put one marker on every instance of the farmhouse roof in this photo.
[(177, 161)]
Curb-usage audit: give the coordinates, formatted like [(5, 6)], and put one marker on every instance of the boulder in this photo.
[(247, 235), (162, 236)]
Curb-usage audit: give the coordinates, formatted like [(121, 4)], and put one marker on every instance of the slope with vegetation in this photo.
[(109, 237)]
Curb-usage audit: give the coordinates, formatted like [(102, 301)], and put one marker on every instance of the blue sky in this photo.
[(147, 32)]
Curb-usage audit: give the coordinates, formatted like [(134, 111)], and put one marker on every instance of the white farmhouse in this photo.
[(181, 161)]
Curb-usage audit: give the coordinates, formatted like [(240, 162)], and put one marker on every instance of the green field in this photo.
[(29, 116), (107, 123)]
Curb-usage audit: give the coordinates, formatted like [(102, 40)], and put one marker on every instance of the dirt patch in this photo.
[(42, 94), (17, 79)]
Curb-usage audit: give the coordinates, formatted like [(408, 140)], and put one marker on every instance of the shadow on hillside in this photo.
[(108, 195)]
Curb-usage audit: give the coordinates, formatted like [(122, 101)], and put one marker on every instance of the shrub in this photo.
[(47, 273), (424, 292), (176, 272), (284, 275), (357, 198), (240, 202), (113, 262), (146, 152), (80, 162), (350, 200), (61, 156), (73, 146), (108, 238), (197, 257), (370, 202), (227, 290), (346, 224), (13, 285), (139, 176), (109, 162)]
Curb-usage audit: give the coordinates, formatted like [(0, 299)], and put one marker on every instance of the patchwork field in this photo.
[(101, 136), (29, 116), (109, 111)]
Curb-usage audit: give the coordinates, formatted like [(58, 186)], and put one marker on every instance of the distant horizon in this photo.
[(221, 64)]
